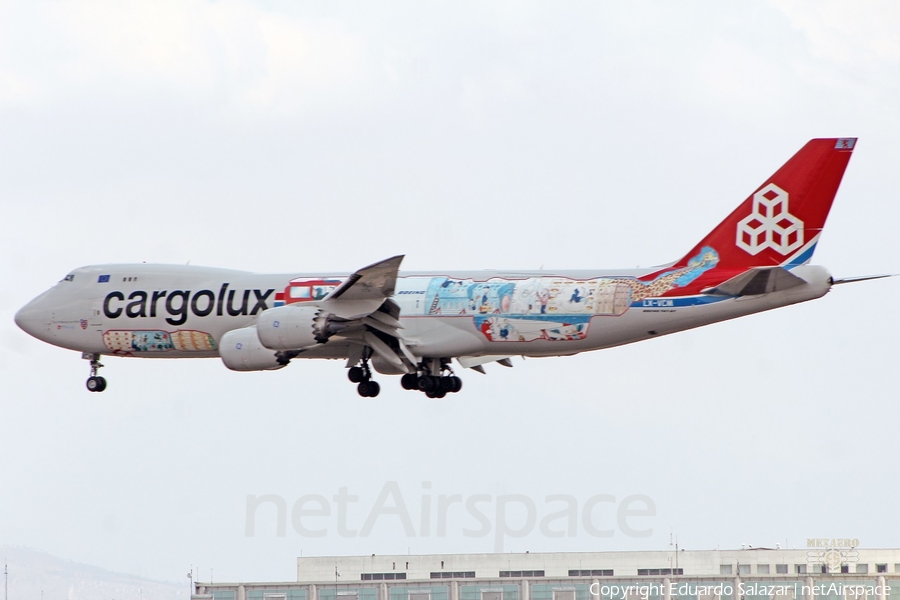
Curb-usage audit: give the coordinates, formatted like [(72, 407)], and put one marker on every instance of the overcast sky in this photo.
[(292, 137)]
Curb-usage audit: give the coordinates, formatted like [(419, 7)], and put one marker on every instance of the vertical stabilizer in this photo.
[(780, 222)]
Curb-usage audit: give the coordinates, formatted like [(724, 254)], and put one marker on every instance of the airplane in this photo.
[(419, 324)]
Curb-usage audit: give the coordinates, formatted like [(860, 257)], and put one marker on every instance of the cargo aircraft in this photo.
[(421, 325)]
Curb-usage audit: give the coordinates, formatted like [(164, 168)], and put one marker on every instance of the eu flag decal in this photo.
[(103, 279)]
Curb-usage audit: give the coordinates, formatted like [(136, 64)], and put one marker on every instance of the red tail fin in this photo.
[(779, 224)]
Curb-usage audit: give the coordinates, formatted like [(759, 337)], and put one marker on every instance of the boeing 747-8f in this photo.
[(417, 324)]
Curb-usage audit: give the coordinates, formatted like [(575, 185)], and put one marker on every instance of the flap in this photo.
[(469, 362)]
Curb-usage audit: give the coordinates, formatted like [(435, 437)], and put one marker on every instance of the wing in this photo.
[(376, 281), (364, 291), (369, 317)]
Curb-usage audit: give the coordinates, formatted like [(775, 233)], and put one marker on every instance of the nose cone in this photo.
[(33, 319)]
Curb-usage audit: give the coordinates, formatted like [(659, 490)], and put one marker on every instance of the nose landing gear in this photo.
[(95, 383)]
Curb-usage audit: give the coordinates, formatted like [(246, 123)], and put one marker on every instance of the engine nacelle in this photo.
[(291, 327), (241, 350)]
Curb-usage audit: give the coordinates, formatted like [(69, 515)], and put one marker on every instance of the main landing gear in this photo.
[(362, 376), (95, 383), (434, 378), (432, 381)]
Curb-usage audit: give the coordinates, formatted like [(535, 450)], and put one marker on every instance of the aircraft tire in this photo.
[(427, 383), (447, 384), (440, 394), (374, 389), (355, 374), (410, 381), (96, 384), (457, 384)]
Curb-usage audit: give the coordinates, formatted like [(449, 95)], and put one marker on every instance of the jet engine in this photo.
[(241, 350), (295, 327)]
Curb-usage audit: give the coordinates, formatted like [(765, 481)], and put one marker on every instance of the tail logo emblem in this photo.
[(770, 225)]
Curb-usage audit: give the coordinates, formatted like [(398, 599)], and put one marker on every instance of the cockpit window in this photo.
[(69, 277)]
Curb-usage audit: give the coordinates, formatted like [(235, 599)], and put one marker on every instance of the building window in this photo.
[(762, 569), (453, 574), (782, 569), (521, 573), (563, 594), (823, 569), (800, 569), (724, 569), (420, 596), (491, 595), (845, 568), (743, 569), (862, 568), (590, 572), (661, 571), (896, 567), (881, 568), (382, 576)]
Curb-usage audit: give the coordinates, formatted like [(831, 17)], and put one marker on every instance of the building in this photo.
[(826, 570)]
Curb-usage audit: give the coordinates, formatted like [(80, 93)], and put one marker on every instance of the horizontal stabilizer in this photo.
[(756, 281)]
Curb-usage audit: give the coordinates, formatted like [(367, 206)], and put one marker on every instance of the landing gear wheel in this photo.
[(434, 377), (96, 384), (356, 374), (368, 389), (428, 383), (410, 381)]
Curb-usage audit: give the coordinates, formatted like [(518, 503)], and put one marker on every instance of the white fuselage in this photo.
[(170, 311)]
